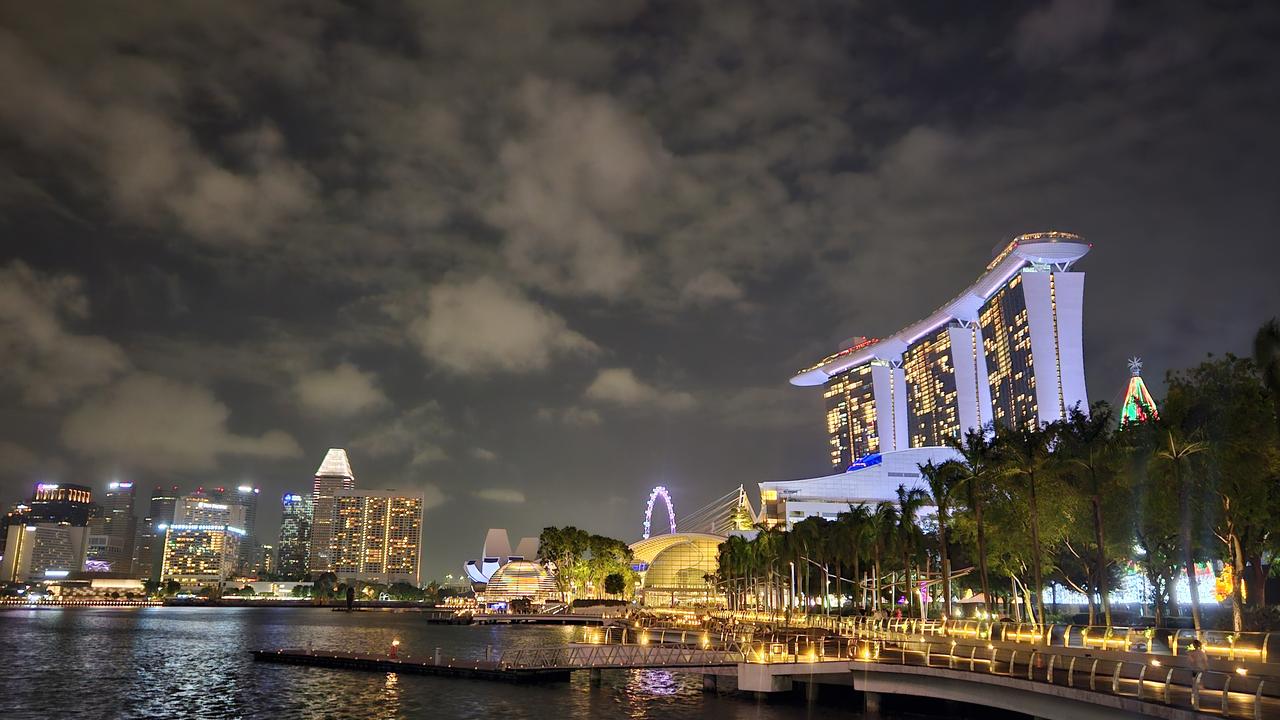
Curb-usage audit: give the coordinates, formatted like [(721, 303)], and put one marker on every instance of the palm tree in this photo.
[(1266, 354), (909, 537), (733, 568), (975, 468), (853, 536), (943, 481), (1027, 459), (1178, 453), (1091, 448), (806, 541), (768, 551), (881, 526)]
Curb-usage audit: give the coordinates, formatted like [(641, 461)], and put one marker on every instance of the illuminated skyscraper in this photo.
[(1007, 349), (200, 554), (50, 503), (202, 545), (111, 533), (267, 562), (61, 503), (377, 536), (246, 496), (333, 476), (199, 508), (43, 551), (149, 550), (18, 514), (295, 536)]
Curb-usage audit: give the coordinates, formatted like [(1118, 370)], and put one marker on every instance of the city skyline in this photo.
[(536, 283)]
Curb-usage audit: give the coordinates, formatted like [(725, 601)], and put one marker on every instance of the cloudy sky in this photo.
[(536, 258)]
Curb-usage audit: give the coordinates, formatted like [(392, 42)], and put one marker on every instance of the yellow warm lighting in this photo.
[(1241, 671), (1155, 663), (395, 643)]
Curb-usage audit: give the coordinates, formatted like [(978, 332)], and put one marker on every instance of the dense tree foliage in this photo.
[(582, 562)]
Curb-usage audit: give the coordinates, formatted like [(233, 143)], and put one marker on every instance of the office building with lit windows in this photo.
[(61, 503), (35, 552), (112, 531), (245, 496), (1006, 349), (51, 504), (199, 508), (200, 554), (377, 536), (295, 535), (332, 477), (149, 547)]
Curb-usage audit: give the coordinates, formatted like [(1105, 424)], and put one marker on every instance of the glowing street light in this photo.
[(394, 644)]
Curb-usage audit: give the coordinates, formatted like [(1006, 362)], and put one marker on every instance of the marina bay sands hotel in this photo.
[(1007, 350)]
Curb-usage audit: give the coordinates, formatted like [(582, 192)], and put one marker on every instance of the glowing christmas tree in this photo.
[(1138, 404)]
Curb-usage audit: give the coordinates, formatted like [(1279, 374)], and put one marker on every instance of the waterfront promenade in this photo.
[(1051, 672)]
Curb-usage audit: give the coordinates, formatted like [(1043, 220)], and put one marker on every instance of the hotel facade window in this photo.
[(931, 390), (1010, 364), (851, 416)]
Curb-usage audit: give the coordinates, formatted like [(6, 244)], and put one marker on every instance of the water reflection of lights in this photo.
[(391, 694), (648, 683)]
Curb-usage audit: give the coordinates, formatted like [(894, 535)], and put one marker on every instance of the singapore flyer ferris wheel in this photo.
[(659, 491)]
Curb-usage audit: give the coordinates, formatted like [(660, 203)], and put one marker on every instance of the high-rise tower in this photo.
[(61, 503), (246, 497), (333, 476), (149, 549), (1006, 350), (377, 536), (111, 533), (295, 535)]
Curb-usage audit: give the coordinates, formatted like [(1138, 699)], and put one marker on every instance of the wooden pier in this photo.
[(537, 664), (475, 669)]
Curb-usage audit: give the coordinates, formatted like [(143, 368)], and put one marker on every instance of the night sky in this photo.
[(536, 258)]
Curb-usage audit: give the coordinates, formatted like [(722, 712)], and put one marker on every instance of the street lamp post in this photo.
[(826, 580), (791, 601)]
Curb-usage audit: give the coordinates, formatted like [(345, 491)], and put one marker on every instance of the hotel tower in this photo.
[(1006, 349)]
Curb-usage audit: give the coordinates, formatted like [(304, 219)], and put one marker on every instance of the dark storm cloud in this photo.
[(534, 260)]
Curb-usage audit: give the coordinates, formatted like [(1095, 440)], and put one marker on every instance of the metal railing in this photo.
[(1231, 694), (1259, 647)]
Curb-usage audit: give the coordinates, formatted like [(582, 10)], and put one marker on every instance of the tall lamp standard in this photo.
[(791, 601), (826, 580)]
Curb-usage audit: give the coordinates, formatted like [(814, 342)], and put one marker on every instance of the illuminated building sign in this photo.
[(212, 528)]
